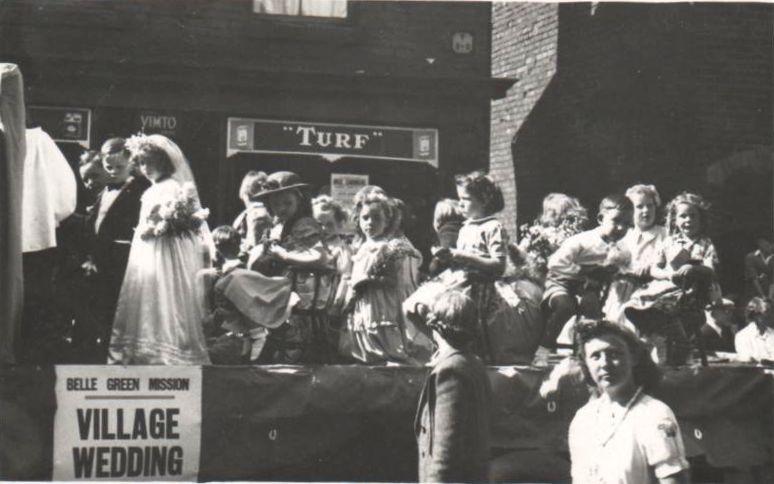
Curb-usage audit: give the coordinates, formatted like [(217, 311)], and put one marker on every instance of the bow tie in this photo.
[(114, 186)]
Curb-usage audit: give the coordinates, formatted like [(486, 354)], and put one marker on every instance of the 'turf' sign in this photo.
[(332, 140)]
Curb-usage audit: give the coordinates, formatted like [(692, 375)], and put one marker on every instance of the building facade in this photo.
[(610, 95), (396, 91)]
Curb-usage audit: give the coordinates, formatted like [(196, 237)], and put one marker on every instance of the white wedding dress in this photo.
[(161, 306)]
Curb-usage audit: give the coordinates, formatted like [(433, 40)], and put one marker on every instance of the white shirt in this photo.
[(49, 191), (611, 445), (585, 249), (643, 245), (752, 345)]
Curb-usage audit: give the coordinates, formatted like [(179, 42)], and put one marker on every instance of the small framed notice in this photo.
[(344, 187)]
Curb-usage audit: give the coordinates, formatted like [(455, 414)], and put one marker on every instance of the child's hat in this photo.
[(281, 181)]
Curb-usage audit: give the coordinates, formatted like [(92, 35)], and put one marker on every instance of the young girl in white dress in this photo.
[(160, 307), (376, 332), (642, 242)]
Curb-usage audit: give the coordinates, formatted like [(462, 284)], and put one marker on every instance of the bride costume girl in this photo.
[(160, 307)]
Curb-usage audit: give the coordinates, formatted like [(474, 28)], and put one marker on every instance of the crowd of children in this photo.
[(361, 297), (291, 281)]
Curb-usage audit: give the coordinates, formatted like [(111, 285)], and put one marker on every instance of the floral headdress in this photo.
[(139, 142)]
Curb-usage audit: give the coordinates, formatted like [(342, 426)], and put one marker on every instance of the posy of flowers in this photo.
[(539, 241), (177, 215)]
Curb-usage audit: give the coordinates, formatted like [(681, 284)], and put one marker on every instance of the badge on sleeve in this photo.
[(668, 429)]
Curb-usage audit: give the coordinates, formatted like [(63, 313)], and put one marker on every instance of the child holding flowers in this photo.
[(375, 331), (563, 216), (159, 312)]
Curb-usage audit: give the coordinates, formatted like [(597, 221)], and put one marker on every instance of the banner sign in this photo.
[(332, 140), (344, 186), (127, 423), (66, 125)]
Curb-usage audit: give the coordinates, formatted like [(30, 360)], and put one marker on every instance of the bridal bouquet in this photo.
[(176, 215)]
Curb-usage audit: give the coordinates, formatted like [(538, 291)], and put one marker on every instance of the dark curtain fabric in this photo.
[(12, 154), (355, 423)]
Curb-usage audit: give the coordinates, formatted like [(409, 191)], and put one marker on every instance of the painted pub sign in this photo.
[(332, 140)]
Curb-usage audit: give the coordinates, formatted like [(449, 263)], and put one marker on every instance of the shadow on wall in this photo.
[(656, 94)]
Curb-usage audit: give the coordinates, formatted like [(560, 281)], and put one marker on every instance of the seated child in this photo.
[(447, 222), (672, 305), (642, 242), (580, 265), (452, 424), (332, 217), (756, 341), (508, 331), (296, 252), (254, 221), (234, 297)]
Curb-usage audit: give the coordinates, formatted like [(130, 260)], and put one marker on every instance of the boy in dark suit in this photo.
[(111, 223), (452, 421)]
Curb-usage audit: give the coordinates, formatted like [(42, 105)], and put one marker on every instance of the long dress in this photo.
[(643, 246), (161, 306), (303, 339), (376, 331)]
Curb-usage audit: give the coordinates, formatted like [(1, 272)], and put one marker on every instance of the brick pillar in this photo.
[(524, 46)]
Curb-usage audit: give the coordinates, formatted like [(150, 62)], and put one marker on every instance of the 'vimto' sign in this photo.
[(332, 140)]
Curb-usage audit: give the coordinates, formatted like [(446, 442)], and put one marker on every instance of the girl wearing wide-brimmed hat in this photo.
[(294, 249)]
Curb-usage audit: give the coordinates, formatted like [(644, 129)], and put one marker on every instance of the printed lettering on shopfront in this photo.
[(325, 138), (332, 141), (150, 121)]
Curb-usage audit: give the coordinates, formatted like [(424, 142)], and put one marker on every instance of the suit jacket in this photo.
[(452, 424), (112, 242)]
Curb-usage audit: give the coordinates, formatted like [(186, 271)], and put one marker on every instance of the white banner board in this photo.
[(127, 423)]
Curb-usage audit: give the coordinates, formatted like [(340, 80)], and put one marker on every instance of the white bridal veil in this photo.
[(183, 175)]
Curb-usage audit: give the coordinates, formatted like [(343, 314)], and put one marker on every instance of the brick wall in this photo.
[(661, 94), (524, 43), (377, 38)]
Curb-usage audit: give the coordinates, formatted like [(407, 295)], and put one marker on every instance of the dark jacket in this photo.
[(717, 342), (110, 245), (452, 424)]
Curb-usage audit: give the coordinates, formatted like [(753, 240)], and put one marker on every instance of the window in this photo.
[(302, 8)]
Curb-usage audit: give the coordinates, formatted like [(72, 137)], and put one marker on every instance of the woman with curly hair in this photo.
[(622, 434)]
